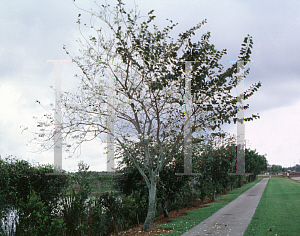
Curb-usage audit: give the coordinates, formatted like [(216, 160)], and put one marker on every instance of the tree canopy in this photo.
[(148, 67)]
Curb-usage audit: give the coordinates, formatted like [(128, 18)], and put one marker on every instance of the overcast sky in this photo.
[(35, 31)]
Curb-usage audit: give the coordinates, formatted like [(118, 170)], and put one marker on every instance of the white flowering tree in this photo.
[(148, 67)]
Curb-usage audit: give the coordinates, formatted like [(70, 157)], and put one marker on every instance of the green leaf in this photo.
[(157, 85), (150, 12)]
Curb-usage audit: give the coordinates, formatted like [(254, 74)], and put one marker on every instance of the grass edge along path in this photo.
[(278, 210), (195, 217)]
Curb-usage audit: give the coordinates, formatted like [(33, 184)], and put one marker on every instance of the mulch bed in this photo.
[(161, 220)]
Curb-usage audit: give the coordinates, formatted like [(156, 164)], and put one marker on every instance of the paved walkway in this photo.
[(296, 178), (234, 218)]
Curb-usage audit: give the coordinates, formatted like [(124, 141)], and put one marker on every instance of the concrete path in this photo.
[(234, 218), (296, 178)]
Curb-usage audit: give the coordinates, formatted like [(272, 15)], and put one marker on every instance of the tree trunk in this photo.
[(151, 207), (166, 214), (214, 194), (99, 182)]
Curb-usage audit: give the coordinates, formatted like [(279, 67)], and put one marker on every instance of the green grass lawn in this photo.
[(278, 209), (194, 217)]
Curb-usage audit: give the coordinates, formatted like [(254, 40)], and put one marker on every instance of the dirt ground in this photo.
[(161, 220)]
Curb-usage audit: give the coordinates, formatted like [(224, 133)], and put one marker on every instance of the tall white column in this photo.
[(240, 119), (57, 114), (187, 126), (110, 119)]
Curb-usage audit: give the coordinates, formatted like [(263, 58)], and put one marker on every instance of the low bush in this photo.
[(35, 218), (125, 213), (18, 178)]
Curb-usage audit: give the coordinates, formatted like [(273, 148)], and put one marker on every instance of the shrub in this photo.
[(18, 178), (74, 202), (35, 218), (98, 219), (171, 188)]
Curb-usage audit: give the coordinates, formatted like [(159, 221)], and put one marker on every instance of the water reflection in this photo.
[(9, 225)]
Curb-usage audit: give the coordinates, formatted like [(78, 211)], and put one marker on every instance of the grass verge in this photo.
[(278, 210), (194, 217)]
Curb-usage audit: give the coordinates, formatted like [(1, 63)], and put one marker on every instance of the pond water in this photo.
[(11, 219), (12, 216)]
